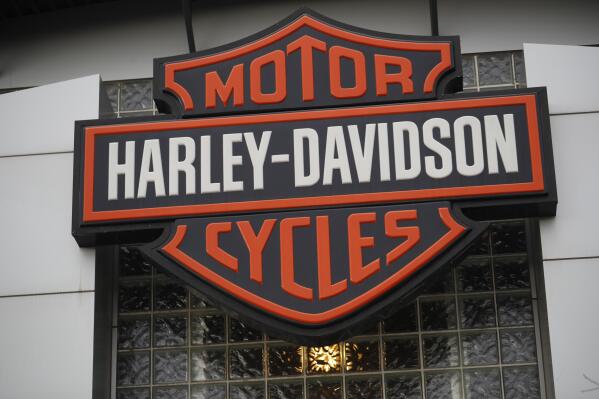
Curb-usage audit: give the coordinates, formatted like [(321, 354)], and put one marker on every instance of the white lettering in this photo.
[(116, 169), (505, 143), (151, 169), (478, 163), (432, 144), (175, 166), (257, 156), (335, 144)]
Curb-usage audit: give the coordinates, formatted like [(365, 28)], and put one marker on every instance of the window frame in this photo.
[(106, 313)]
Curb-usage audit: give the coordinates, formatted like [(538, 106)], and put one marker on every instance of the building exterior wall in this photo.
[(570, 240), (119, 40), (46, 281), (46, 295)]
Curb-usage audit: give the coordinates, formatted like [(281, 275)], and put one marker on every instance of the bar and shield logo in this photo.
[(311, 177)]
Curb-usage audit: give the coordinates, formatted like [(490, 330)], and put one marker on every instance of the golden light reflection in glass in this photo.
[(353, 356), (324, 359)]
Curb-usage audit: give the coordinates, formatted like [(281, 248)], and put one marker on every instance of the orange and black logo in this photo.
[(312, 176)]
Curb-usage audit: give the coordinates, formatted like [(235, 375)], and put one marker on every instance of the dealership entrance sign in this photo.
[(312, 176)]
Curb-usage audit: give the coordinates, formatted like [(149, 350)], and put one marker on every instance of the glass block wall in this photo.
[(131, 97), (485, 71), (493, 71), (471, 334)]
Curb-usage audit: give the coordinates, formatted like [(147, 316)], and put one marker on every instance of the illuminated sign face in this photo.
[(343, 175)]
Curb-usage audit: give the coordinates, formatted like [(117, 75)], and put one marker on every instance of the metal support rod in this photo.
[(432, 4), (186, 4)]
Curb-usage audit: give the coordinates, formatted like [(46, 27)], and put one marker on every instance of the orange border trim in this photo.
[(535, 185), (455, 231), (305, 20)]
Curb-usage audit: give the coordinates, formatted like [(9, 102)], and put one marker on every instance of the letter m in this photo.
[(234, 85)]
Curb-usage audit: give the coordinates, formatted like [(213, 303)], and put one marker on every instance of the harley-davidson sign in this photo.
[(337, 184)]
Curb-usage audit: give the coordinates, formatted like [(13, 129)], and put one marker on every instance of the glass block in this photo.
[(324, 388), (481, 245), (197, 301), (508, 238), (170, 366), (211, 391), (521, 382), (438, 314), (515, 310), (136, 95), (474, 274), (441, 282), (404, 320), (445, 385), (286, 389), (133, 368), (440, 350), (239, 331), (170, 392), (207, 329), (495, 69), (284, 360), (112, 91), (170, 330), (519, 66), (169, 295), (133, 393), (403, 386), (482, 384), (468, 71), (511, 272), (518, 346), (246, 362), (132, 263), (362, 355), (479, 348), (363, 387), (134, 296), (477, 312), (324, 359), (208, 364), (134, 332), (248, 391), (370, 329), (401, 353)]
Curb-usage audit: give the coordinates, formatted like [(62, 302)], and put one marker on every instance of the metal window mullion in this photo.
[(152, 280), (420, 350), (305, 369), (476, 79), (459, 331), (116, 270), (515, 83), (535, 313), (118, 106), (497, 334), (343, 365), (382, 359), (188, 342), (265, 368)]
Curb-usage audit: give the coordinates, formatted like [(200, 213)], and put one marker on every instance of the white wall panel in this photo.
[(38, 253), (46, 344), (575, 230), (505, 25), (572, 298), (568, 72), (41, 120)]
